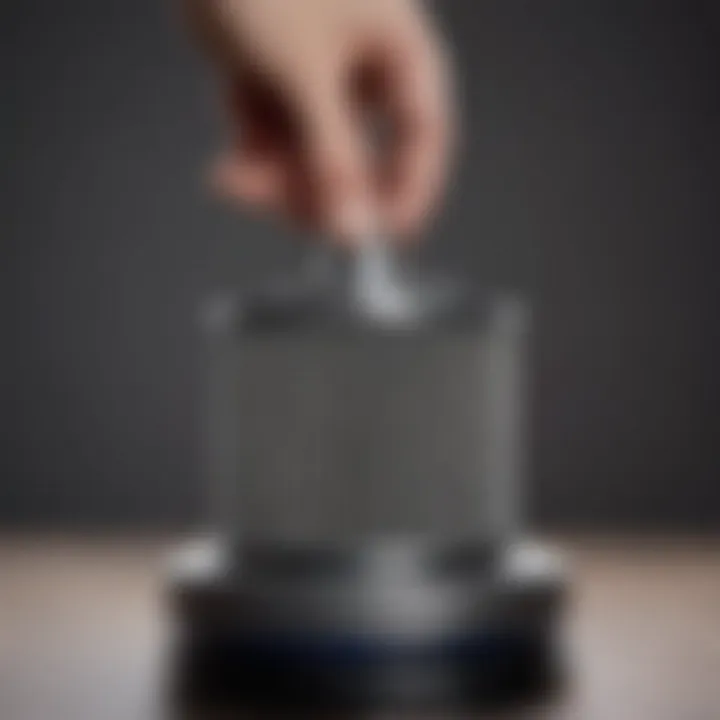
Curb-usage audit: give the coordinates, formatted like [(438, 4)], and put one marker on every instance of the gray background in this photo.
[(589, 180)]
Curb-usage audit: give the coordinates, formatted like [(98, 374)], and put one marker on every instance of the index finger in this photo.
[(422, 114)]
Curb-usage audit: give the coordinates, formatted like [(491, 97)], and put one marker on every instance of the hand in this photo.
[(304, 80)]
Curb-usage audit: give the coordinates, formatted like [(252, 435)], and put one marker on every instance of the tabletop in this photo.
[(85, 629)]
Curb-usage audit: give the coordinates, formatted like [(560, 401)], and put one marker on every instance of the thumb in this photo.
[(336, 161)]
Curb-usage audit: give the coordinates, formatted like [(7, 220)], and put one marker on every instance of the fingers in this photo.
[(304, 149), (420, 105), (257, 183), (341, 169), (253, 171), (311, 167), (334, 158)]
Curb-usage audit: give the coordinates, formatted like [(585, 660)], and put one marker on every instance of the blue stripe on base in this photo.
[(349, 650)]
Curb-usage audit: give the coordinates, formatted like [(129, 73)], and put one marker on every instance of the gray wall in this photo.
[(589, 180)]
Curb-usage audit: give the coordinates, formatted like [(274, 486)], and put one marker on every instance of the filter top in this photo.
[(370, 292)]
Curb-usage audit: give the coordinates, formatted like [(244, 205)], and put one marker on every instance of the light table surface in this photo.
[(84, 630)]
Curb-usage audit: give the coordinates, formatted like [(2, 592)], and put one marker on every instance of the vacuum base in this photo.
[(227, 651)]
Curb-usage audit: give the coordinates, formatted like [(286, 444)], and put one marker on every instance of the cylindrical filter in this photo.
[(331, 428)]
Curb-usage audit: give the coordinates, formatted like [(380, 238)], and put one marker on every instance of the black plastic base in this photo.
[(510, 656), (486, 671)]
